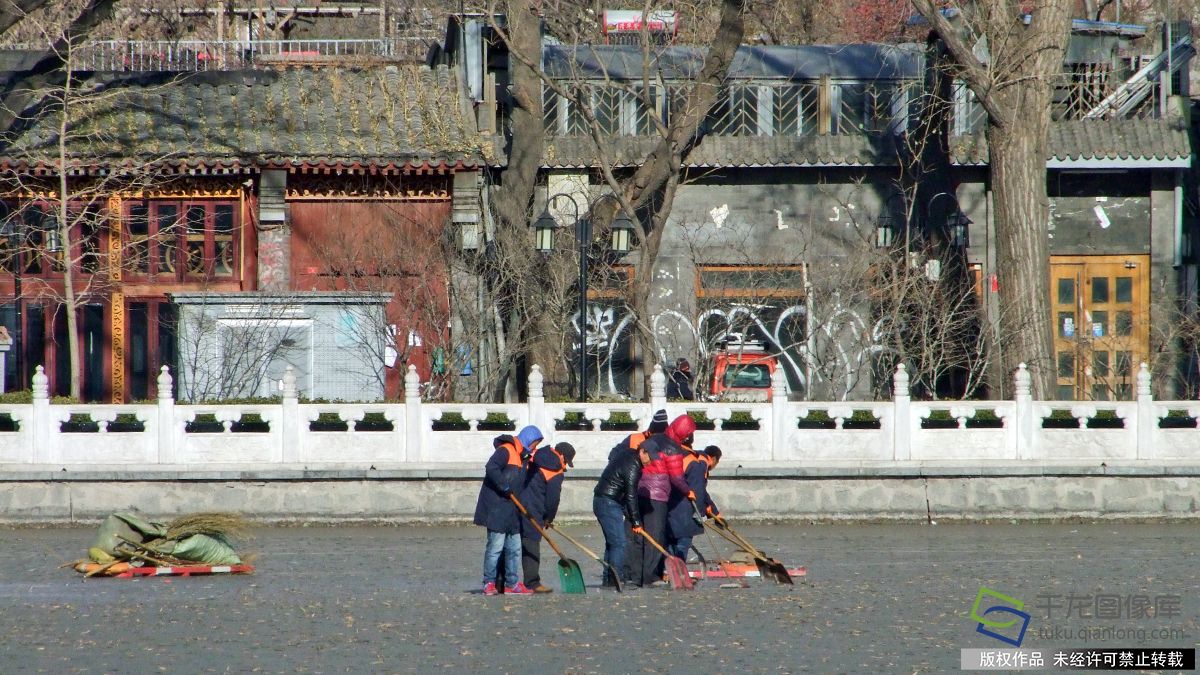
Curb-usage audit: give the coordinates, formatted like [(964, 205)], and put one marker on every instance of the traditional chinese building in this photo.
[(280, 180)]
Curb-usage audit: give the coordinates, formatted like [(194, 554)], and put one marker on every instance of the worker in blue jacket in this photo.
[(540, 496), (682, 523), (504, 475)]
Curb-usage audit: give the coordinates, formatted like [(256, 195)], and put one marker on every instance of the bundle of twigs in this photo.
[(228, 526)]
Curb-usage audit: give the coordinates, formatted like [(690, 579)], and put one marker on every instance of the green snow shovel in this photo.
[(569, 574), (616, 576)]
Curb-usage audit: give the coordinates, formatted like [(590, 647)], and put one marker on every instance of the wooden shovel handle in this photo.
[(521, 508), (655, 544), (577, 543)]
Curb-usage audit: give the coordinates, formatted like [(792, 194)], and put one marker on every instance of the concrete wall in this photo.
[(943, 494), (899, 468)]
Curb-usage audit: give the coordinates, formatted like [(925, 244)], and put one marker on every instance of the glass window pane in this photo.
[(1066, 291), (1124, 364), (1099, 392), (138, 222), (223, 219), (167, 229), (1125, 392), (138, 226), (1100, 364), (1066, 364), (1066, 324), (1099, 327), (195, 240), (1124, 323), (223, 240), (1066, 392), (1124, 289), (1099, 289)]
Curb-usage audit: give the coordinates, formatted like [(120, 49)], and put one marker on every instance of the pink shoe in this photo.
[(489, 588), (519, 589)]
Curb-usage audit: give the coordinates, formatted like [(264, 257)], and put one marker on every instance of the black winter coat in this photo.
[(627, 446), (501, 477), (681, 517), (540, 496), (619, 482)]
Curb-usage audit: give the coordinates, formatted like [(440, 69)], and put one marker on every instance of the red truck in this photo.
[(742, 371)]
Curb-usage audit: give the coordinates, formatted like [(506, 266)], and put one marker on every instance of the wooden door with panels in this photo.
[(1100, 306)]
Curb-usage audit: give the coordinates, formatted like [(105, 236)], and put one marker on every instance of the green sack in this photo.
[(125, 526), (205, 549)]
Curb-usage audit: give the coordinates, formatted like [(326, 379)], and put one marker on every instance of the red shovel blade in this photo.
[(677, 574)]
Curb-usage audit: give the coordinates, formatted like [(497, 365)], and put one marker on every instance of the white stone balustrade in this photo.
[(290, 434)]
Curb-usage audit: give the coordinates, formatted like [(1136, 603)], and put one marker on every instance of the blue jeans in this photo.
[(612, 522), (681, 546), (510, 544)]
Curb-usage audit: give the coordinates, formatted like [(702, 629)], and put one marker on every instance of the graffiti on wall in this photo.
[(830, 355)]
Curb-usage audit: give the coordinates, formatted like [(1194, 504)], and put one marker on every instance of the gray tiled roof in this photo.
[(327, 116), (1106, 139), (1159, 139)]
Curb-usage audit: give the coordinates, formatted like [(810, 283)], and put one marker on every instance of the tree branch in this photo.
[(973, 73)]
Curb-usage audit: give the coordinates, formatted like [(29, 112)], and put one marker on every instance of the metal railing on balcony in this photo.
[(745, 108), (200, 55)]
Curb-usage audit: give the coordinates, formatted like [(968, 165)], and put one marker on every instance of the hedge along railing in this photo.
[(39, 435)]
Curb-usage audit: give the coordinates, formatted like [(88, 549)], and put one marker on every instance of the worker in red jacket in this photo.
[(661, 476)]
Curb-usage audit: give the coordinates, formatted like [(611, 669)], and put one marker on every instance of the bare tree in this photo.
[(645, 196), (67, 157), (225, 357), (1024, 42)]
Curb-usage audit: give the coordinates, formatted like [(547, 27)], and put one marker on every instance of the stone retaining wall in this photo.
[(765, 493)]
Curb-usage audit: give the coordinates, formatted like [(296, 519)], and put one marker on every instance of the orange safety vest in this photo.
[(695, 457), (636, 440), (551, 473), (514, 453)]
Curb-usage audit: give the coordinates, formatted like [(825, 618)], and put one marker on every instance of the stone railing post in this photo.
[(658, 389), (1146, 420), (902, 415), (781, 425), (1024, 423), (41, 421), (413, 425), (166, 417), (537, 399), (290, 419)]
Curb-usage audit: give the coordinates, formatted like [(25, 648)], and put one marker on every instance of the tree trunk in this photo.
[(65, 243), (1014, 86), (1018, 162), (527, 136)]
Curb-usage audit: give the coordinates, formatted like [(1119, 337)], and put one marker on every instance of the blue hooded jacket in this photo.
[(529, 435), (503, 475)]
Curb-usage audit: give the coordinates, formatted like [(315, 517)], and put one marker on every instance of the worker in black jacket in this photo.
[(658, 425), (615, 502), (540, 496)]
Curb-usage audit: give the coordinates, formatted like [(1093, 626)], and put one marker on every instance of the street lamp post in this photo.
[(544, 229), (955, 224)]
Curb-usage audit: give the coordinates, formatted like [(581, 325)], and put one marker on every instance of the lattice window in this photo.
[(870, 107), (736, 111), (795, 109), (619, 110), (969, 115), (178, 240)]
